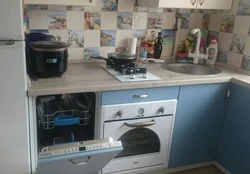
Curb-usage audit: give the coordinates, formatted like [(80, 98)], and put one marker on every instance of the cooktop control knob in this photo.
[(161, 110), (119, 114)]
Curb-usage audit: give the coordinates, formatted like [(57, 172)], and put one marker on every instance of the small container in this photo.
[(144, 52)]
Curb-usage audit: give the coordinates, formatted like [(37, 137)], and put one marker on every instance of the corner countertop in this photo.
[(90, 77)]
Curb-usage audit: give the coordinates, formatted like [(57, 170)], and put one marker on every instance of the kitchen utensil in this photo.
[(117, 58), (48, 58)]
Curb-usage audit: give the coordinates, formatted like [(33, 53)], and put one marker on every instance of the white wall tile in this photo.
[(75, 20), (234, 59), (57, 7), (38, 19), (96, 7), (241, 26), (247, 47), (140, 20), (76, 53), (215, 22), (195, 20), (167, 51), (126, 5), (108, 20), (182, 35), (122, 36), (225, 40), (92, 38), (168, 20), (105, 50)]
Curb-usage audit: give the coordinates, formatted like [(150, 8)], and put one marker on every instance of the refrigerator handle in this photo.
[(7, 42)]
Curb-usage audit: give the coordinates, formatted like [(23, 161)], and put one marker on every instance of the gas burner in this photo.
[(130, 69)]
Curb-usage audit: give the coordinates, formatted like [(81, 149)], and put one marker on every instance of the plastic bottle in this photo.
[(212, 52)]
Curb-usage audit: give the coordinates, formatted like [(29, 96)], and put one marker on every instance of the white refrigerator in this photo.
[(14, 144)]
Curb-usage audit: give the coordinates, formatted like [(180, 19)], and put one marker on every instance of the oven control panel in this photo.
[(76, 148), (139, 110)]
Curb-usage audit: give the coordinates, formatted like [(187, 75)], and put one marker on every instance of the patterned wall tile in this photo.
[(222, 56), (246, 63), (154, 20), (109, 5), (76, 38), (57, 20), (247, 50), (92, 21), (60, 35), (108, 38), (124, 20), (185, 21), (238, 44), (91, 52), (227, 23)]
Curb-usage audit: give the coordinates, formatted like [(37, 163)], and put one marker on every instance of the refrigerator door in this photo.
[(11, 19), (87, 162), (14, 146)]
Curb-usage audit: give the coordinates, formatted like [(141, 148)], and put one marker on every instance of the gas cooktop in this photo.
[(130, 73)]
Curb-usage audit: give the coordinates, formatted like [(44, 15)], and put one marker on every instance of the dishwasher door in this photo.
[(89, 159)]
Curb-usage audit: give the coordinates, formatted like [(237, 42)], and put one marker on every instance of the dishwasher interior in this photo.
[(65, 118)]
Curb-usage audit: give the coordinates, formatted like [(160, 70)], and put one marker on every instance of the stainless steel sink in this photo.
[(192, 69)]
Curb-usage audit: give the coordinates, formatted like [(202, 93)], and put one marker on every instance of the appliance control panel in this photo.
[(76, 148), (139, 110)]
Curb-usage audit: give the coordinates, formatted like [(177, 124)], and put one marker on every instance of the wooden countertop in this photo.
[(90, 77)]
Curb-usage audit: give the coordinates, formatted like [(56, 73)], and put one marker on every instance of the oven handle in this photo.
[(141, 124), (81, 163)]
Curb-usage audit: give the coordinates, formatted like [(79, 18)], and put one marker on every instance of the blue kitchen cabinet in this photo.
[(234, 147), (198, 124)]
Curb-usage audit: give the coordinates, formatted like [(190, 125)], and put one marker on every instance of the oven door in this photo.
[(87, 162), (145, 142)]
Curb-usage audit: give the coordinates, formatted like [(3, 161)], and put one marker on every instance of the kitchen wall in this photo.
[(101, 29), (230, 27)]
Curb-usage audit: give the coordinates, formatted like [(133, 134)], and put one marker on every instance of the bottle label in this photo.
[(211, 53)]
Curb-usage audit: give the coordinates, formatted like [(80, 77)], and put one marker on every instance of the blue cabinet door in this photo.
[(234, 147), (198, 124)]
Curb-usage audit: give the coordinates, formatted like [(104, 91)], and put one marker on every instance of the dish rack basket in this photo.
[(76, 112)]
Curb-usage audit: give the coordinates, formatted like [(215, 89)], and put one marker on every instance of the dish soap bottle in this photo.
[(158, 46), (212, 52)]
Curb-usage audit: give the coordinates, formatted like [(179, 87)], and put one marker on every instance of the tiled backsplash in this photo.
[(101, 29), (231, 28)]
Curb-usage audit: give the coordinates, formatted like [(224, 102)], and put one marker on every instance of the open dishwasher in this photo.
[(65, 136)]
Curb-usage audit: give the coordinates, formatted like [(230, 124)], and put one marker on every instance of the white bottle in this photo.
[(212, 52)]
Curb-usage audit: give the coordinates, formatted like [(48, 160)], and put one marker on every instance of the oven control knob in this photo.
[(161, 110), (141, 111), (119, 114)]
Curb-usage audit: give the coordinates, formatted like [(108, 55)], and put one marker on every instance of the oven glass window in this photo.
[(139, 141)]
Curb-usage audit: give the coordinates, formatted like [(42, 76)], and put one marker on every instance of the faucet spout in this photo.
[(197, 48)]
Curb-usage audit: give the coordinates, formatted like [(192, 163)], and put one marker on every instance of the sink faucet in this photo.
[(196, 55)]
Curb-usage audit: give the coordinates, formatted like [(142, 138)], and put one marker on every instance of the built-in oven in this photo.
[(65, 136), (144, 130)]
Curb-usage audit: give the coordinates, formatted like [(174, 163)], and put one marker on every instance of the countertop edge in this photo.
[(80, 89)]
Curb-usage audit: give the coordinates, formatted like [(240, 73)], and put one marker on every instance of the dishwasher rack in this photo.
[(63, 110)]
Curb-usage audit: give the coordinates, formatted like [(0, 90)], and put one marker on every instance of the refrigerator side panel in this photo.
[(11, 19), (14, 146)]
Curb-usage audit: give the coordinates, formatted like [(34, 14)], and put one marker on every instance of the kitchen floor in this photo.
[(204, 170)]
